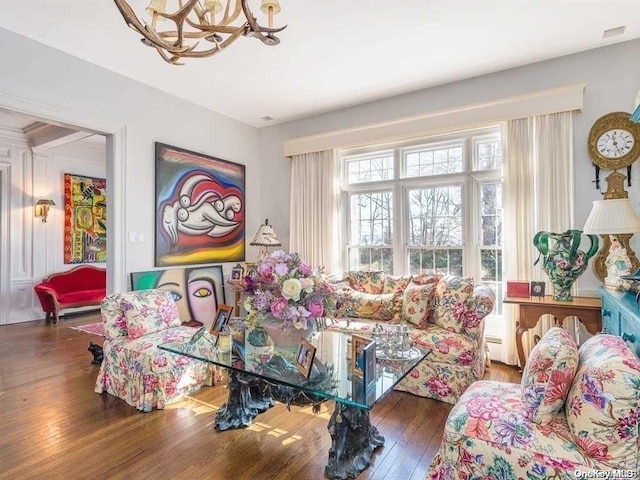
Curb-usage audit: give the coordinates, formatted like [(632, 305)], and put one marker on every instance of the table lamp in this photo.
[(612, 217), (265, 237)]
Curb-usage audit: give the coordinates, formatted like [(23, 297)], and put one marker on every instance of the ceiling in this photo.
[(334, 53)]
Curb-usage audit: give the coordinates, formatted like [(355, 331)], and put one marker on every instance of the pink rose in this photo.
[(305, 269), (278, 307), (485, 408), (265, 270), (466, 358), (316, 308), (438, 386), (161, 361)]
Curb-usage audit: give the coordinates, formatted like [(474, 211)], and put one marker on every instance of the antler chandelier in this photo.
[(193, 21)]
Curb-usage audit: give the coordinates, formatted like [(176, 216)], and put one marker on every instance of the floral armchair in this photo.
[(134, 368), (446, 314), (576, 410)]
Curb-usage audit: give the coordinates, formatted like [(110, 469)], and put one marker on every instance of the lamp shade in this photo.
[(45, 202), (609, 217), (265, 236)]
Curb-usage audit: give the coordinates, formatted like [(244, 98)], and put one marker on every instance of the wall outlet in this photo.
[(136, 237)]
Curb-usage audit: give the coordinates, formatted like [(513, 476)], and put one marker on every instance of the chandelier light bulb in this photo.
[(155, 7), (270, 8), (212, 6)]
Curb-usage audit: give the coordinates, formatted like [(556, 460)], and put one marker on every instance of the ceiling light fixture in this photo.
[(194, 20)]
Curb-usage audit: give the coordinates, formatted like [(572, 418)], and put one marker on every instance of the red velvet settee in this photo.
[(81, 286)]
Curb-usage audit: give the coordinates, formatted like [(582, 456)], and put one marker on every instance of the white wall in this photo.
[(612, 76), (39, 76), (16, 227)]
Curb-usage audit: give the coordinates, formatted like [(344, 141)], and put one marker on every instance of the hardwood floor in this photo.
[(53, 425)]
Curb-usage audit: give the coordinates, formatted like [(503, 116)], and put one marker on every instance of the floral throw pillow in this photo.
[(548, 375), (383, 307), (367, 282), (148, 311), (453, 303), (395, 283), (417, 303), (603, 404)]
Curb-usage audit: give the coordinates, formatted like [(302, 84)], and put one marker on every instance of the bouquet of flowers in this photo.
[(289, 290)]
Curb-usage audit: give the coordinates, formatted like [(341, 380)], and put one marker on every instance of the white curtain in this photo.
[(538, 193), (314, 209)]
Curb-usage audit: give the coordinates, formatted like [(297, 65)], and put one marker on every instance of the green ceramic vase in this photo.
[(562, 260)]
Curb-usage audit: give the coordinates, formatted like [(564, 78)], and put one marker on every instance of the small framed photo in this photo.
[(369, 372), (249, 268), (304, 357), (237, 273), (222, 318), (358, 345), (537, 289)]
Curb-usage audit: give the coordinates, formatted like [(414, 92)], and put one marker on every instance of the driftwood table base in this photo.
[(353, 438)]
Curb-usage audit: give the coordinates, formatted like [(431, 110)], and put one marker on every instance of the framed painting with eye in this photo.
[(197, 291)]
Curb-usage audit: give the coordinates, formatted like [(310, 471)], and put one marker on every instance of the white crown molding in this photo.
[(544, 102), (12, 135)]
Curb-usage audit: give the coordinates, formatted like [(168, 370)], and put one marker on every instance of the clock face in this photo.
[(615, 143)]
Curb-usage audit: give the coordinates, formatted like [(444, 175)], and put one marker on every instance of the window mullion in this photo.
[(399, 219)]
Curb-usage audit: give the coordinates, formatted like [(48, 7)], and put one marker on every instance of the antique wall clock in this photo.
[(613, 143)]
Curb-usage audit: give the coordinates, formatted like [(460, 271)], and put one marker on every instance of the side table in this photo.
[(587, 309)]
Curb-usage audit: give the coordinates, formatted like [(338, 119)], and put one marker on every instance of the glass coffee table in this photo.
[(261, 375)]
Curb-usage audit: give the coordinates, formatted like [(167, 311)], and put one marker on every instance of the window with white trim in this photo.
[(432, 205)]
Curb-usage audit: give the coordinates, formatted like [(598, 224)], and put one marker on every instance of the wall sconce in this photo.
[(42, 208)]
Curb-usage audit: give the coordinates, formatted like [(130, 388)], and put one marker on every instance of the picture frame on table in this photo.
[(369, 373), (538, 289), (361, 393), (304, 357), (237, 273), (358, 344), (223, 314), (518, 289), (250, 268)]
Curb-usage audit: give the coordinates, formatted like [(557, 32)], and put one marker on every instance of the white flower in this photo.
[(307, 284), (291, 289)]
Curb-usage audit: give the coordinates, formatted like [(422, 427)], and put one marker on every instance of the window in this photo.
[(429, 206)]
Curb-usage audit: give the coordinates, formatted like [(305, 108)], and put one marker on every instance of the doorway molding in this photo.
[(115, 133)]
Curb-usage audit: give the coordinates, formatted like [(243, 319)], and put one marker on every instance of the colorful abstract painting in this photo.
[(85, 219), (197, 291), (199, 209)]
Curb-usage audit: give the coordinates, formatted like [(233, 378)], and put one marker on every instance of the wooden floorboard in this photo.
[(53, 425)]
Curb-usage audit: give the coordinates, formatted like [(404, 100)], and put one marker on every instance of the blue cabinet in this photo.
[(621, 316)]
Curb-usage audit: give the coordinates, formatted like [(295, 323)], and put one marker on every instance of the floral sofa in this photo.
[(446, 314), (134, 368), (576, 410)]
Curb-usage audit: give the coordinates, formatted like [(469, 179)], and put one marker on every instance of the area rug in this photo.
[(96, 328)]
